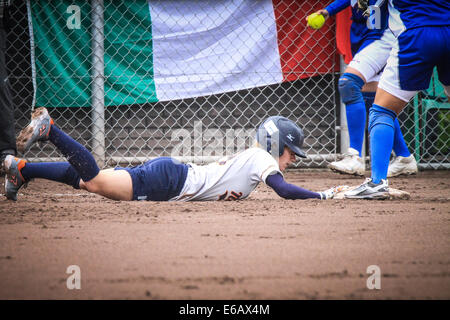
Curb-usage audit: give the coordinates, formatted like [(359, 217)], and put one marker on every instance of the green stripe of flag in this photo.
[(63, 55), (128, 53)]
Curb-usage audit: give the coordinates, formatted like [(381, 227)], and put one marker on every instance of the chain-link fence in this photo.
[(136, 79)]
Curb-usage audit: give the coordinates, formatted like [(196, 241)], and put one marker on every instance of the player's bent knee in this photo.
[(380, 115), (350, 86)]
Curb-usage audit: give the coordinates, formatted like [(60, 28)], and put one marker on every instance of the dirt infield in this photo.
[(260, 248)]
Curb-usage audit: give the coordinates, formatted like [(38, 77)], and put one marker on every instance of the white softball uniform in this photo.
[(371, 60), (231, 178)]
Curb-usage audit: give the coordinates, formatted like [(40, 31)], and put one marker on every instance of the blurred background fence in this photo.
[(136, 79)]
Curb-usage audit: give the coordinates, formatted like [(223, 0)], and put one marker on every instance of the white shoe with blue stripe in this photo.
[(369, 190)]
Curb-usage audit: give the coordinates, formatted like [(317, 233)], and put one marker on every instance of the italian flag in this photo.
[(174, 49)]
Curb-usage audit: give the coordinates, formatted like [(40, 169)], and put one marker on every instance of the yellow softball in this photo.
[(316, 21)]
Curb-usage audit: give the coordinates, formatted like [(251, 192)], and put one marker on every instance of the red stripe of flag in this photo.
[(304, 52)]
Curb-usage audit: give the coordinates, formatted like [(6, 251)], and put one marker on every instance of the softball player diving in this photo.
[(422, 42), (165, 179), (370, 44)]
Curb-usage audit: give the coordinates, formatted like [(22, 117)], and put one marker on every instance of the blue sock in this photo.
[(56, 171), (350, 89), (381, 128), (77, 155), (400, 147), (356, 122)]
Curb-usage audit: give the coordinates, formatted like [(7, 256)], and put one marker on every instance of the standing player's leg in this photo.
[(408, 70), (369, 62), (381, 130), (81, 170), (404, 162), (350, 85), (357, 88)]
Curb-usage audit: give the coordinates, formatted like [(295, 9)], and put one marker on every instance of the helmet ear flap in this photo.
[(276, 147), (264, 140), (269, 141)]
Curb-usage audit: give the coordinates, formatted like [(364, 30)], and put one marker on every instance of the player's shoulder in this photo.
[(256, 151), (261, 156)]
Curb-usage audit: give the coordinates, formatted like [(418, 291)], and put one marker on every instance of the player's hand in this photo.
[(363, 5), (330, 193), (323, 12)]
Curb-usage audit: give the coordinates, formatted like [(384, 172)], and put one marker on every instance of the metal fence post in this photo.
[(98, 89)]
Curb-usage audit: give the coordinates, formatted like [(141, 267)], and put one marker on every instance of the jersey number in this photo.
[(233, 196)]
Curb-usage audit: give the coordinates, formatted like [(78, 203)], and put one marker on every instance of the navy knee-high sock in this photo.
[(400, 147), (55, 171), (381, 128), (77, 155)]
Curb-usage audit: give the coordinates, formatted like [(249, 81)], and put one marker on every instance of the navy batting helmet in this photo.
[(278, 132)]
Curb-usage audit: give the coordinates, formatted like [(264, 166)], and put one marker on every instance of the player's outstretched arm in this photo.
[(290, 191), (326, 12)]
